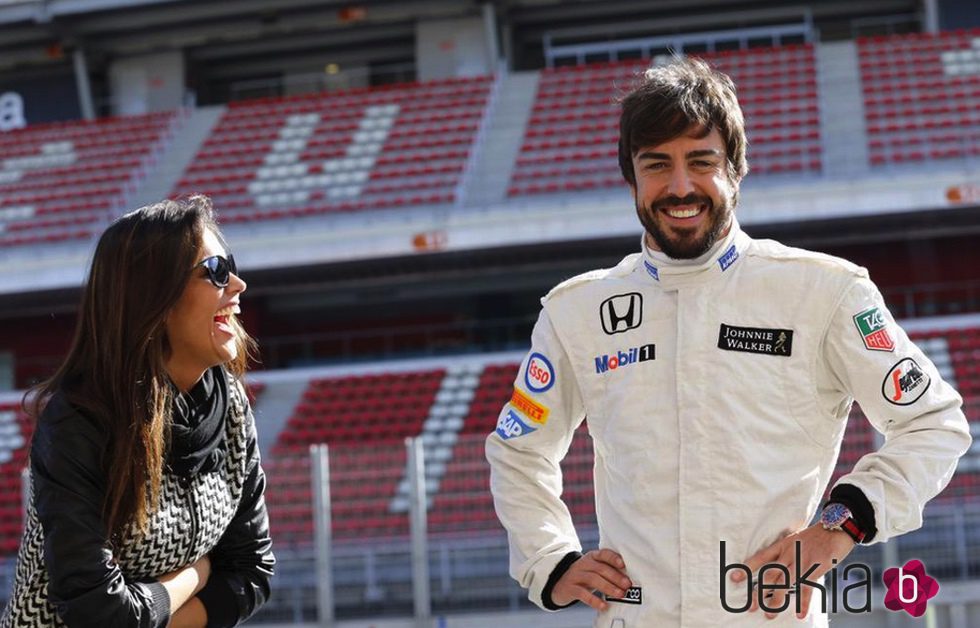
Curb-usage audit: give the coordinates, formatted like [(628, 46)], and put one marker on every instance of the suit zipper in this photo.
[(193, 512)]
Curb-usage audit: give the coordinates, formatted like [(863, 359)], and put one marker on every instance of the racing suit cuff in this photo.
[(556, 574), (860, 507)]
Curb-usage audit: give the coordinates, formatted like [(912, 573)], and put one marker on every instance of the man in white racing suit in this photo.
[(717, 373)]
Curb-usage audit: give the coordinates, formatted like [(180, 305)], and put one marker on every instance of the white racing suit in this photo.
[(717, 392)]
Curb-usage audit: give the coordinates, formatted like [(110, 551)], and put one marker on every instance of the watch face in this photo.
[(834, 515)]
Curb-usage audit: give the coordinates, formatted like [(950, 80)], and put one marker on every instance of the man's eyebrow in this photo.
[(704, 152), (651, 155)]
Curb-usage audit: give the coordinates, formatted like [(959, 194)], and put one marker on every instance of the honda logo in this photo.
[(621, 313)]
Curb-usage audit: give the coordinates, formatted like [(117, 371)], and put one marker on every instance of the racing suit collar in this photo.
[(672, 273)]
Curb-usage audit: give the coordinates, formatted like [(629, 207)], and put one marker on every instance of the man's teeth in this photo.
[(684, 213)]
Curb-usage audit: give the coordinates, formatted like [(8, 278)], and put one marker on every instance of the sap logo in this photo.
[(620, 359), (728, 258), (622, 312), (510, 426)]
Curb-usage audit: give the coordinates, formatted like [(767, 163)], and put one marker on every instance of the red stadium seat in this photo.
[(432, 123)]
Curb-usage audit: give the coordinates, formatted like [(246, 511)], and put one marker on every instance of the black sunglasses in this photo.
[(219, 269)]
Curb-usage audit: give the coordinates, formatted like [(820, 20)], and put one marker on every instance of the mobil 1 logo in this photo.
[(633, 355)]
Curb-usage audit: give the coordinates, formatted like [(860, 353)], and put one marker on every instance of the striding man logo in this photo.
[(781, 343)]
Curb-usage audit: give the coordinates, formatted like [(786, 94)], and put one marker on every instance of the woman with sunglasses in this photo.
[(147, 501)]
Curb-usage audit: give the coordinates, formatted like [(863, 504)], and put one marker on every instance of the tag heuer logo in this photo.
[(874, 330)]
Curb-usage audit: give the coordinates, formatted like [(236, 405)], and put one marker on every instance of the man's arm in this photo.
[(870, 358), (533, 434), (867, 357)]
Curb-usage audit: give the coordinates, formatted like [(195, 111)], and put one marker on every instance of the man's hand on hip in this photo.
[(817, 546), (600, 570)]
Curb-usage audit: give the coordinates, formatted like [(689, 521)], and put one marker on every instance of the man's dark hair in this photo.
[(667, 101)]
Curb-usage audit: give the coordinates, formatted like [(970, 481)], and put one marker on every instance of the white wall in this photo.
[(147, 83)]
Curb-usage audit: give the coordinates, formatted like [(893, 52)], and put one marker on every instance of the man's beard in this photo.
[(685, 247)]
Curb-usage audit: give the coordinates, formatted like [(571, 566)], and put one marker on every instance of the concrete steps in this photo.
[(842, 125), (497, 155), (178, 155)]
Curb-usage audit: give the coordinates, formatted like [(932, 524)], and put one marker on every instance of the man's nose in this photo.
[(680, 183)]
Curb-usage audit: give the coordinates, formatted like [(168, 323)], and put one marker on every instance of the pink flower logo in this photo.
[(909, 588)]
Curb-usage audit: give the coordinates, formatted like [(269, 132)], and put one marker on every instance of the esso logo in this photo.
[(540, 375)]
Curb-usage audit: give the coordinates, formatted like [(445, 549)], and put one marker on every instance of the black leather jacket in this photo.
[(81, 582)]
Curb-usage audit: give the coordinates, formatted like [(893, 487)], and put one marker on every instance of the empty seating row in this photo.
[(921, 96), (385, 147), (64, 181)]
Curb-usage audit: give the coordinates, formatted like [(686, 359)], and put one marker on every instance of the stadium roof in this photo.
[(44, 10)]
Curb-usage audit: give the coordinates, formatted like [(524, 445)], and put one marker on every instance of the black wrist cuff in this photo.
[(861, 509), (553, 579)]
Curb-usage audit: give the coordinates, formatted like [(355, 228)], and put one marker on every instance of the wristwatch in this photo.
[(836, 516)]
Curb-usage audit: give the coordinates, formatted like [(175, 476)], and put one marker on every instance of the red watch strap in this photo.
[(852, 530)]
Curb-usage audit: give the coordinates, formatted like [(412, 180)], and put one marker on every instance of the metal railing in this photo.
[(933, 299), (378, 574), (614, 50), (382, 571), (451, 337), (331, 79)]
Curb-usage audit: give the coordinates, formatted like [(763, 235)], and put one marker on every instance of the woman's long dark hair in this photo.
[(115, 370)]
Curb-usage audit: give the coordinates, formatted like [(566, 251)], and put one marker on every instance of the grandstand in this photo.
[(399, 197), (64, 181)]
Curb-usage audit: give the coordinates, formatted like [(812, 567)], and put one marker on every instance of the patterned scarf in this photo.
[(197, 443)]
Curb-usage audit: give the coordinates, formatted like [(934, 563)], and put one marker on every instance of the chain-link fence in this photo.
[(371, 546), (467, 549)]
